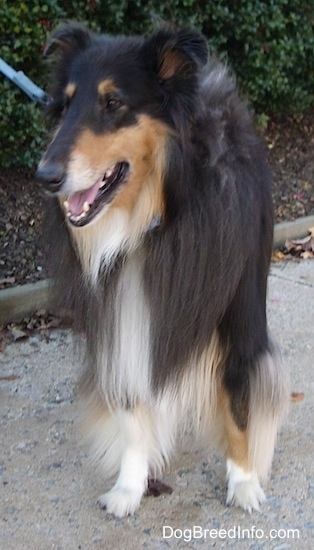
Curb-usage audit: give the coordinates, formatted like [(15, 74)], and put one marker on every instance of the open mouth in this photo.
[(83, 206)]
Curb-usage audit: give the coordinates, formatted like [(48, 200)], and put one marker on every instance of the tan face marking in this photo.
[(106, 87), (120, 226), (70, 90), (142, 145)]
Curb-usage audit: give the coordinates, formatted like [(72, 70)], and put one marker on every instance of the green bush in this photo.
[(269, 45), (24, 27)]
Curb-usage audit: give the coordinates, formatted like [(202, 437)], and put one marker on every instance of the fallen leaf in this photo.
[(3, 345), (278, 256), (18, 334), (296, 397), (7, 281), (156, 488), (307, 255), (10, 377), (41, 313), (303, 248), (54, 323)]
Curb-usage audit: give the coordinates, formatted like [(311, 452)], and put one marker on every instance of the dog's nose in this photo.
[(51, 175)]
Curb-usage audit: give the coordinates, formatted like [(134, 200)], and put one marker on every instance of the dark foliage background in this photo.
[(269, 44)]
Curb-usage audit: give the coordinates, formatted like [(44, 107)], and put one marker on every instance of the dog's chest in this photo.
[(126, 349)]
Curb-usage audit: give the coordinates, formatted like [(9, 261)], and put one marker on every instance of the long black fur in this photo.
[(206, 265)]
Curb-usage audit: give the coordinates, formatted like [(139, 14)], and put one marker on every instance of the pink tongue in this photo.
[(76, 201)]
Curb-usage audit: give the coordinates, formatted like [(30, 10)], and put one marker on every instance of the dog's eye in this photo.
[(113, 103)]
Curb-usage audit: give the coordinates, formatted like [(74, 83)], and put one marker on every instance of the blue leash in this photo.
[(22, 81)]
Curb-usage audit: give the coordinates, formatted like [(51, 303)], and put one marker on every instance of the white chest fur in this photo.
[(125, 361)]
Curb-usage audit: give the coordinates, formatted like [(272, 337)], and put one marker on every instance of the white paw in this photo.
[(244, 489), (120, 501)]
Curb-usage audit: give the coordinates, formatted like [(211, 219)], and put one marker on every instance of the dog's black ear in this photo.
[(70, 38), (176, 53)]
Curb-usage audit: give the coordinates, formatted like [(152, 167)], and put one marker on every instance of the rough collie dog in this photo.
[(162, 224)]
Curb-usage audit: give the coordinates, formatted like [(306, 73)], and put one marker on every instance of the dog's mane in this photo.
[(219, 178)]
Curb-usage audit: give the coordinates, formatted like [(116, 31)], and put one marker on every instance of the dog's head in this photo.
[(116, 103)]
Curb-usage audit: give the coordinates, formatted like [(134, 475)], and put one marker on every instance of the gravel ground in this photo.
[(49, 490)]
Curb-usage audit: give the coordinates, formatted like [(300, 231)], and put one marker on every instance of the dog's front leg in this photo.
[(125, 496)]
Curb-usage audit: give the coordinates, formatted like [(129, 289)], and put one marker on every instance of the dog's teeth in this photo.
[(103, 183), (86, 207), (66, 206), (107, 175), (77, 218), (109, 172)]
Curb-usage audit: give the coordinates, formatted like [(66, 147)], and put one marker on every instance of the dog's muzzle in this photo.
[(51, 175)]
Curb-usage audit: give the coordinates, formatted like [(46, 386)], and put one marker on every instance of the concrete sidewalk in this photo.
[(49, 491)]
